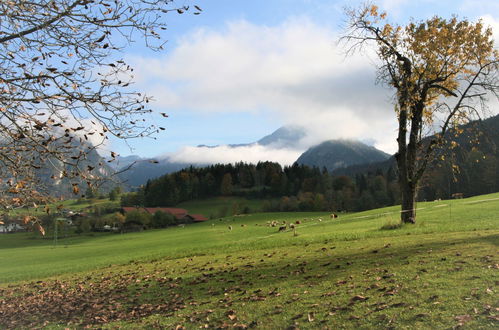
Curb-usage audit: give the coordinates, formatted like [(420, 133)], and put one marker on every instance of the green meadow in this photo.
[(360, 270)]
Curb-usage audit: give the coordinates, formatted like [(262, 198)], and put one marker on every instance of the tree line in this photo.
[(289, 188), (468, 164)]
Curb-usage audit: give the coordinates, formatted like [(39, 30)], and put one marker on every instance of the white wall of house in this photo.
[(10, 227)]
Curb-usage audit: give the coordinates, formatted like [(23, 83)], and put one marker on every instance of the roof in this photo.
[(131, 208), (198, 217), (176, 212)]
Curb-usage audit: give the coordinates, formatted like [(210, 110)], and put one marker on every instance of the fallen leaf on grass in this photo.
[(311, 317), (400, 304), (462, 319), (358, 298), (328, 294), (231, 315)]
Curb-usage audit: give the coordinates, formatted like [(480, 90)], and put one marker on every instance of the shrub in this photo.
[(84, 226), (137, 218), (162, 220), (391, 224)]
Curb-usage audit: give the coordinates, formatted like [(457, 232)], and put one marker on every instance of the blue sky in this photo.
[(242, 69)]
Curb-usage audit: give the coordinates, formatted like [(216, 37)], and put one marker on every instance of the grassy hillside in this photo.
[(346, 272), (72, 204)]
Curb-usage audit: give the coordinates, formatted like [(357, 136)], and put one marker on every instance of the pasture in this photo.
[(345, 272)]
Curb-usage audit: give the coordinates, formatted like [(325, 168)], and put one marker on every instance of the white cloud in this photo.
[(227, 154), (489, 20), (293, 72), (471, 7)]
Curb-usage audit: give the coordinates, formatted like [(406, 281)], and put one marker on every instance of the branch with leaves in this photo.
[(64, 88)]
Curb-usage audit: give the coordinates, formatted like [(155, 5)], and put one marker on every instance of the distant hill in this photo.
[(474, 156), (335, 154)]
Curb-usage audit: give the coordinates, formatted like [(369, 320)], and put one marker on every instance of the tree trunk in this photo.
[(408, 213)]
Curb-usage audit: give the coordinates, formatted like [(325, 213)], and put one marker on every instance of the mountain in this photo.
[(335, 154), (51, 171), (285, 136), (142, 170), (124, 162), (145, 169)]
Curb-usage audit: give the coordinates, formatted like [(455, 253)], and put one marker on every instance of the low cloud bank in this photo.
[(226, 154)]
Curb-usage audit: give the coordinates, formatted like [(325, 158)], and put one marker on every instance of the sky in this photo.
[(242, 69)]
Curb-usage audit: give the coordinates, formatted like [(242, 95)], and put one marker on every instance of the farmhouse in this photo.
[(178, 213), (11, 227)]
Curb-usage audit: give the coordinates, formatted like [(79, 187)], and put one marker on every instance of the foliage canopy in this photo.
[(444, 72)]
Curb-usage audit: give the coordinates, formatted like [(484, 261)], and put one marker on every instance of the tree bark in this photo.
[(408, 213), (406, 158)]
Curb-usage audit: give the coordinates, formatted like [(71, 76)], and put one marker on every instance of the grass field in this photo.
[(341, 273)]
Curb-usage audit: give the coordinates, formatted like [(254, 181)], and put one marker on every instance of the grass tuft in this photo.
[(391, 224)]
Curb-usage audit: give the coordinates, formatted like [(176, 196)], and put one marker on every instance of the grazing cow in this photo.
[(243, 225), (333, 215), (230, 228), (283, 228), (291, 226), (297, 222)]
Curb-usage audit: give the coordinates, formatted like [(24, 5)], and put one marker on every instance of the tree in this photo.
[(443, 72), (114, 193), (91, 192), (226, 185), (64, 88)]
